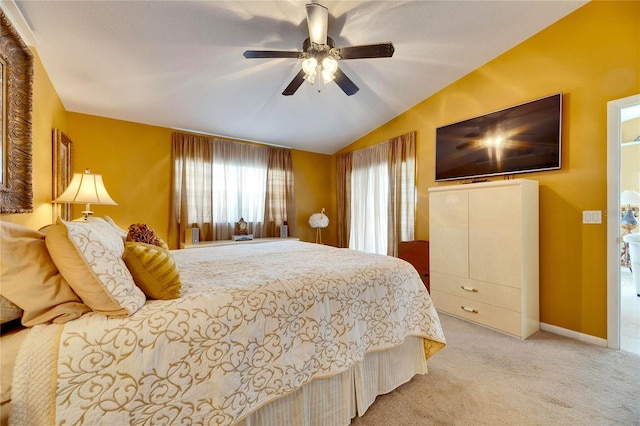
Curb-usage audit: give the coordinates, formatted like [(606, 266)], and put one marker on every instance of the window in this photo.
[(370, 201), (376, 196), (217, 182), (239, 173)]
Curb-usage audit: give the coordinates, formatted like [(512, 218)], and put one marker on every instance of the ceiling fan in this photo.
[(320, 54)]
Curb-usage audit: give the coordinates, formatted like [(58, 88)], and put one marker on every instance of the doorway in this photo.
[(616, 307)]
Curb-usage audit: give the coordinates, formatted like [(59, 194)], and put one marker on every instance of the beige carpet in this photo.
[(484, 377)]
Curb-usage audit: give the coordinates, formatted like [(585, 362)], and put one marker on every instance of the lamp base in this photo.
[(86, 215), (626, 229)]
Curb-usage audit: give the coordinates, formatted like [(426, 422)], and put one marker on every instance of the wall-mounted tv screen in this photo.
[(522, 138)]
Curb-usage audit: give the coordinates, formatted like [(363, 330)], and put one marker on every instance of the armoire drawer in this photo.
[(478, 291), (482, 313)]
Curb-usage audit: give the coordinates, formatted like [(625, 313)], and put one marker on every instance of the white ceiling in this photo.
[(179, 64)]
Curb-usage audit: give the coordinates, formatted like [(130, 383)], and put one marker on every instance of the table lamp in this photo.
[(86, 188), (628, 220), (319, 221)]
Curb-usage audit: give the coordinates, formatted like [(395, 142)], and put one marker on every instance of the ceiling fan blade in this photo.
[(317, 20), (295, 83), (378, 50), (345, 83), (270, 54)]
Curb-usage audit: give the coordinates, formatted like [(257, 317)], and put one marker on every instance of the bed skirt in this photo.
[(336, 400)]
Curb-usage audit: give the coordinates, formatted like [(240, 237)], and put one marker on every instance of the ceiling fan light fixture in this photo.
[(309, 66), (311, 77), (327, 76), (329, 68), (330, 65)]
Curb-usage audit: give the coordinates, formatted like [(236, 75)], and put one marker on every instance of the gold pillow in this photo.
[(31, 280), (153, 269), (89, 256)]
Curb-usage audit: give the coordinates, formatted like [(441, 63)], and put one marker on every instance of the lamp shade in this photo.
[(630, 197), (86, 188), (319, 220)]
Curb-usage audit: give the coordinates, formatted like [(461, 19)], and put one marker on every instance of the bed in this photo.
[(274, 333)]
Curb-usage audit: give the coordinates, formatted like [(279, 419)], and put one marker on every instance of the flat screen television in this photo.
[(519, 139)]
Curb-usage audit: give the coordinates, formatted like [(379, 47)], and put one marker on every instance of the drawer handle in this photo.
[(473, 311), (471, 289)]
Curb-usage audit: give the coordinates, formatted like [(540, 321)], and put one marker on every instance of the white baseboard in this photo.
[(574, 334)]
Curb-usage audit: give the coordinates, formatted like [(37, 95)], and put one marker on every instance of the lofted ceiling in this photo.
[(179, 64)]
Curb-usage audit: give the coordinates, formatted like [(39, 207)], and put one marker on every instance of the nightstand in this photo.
[(417, 254)]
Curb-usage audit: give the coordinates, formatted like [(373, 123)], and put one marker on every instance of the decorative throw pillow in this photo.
[(153, 269), (121, 232), (89, 256), (31, 280), (141, 233)]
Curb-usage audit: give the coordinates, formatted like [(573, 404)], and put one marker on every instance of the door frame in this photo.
[(613, 217)]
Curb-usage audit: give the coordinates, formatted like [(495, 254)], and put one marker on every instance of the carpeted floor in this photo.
[(484, 377)]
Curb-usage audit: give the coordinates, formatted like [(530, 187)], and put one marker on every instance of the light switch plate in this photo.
[(592, 216)]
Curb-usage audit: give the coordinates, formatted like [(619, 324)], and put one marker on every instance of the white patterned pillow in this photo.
[(89, 256), (122, 232)]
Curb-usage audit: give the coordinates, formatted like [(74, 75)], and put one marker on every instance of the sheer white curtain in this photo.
[(239, 179), (376, 196), (369, 200)]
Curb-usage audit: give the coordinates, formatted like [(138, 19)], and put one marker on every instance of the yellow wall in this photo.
[(592, 56), (314, 191), (135, 163), (47, 113)]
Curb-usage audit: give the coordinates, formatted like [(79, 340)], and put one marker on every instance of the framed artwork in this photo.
[(62, 172), (16, 86)]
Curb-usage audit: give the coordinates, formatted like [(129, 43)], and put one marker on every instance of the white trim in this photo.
[(593, 340), (10, 8), (613, 217)]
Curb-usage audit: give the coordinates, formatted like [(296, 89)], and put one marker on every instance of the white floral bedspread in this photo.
[(255, 322)]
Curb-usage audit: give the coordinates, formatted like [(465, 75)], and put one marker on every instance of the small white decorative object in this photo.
[(319, 221)]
